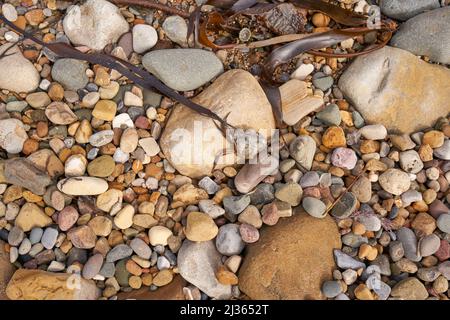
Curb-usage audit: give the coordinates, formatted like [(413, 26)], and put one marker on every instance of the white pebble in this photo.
[(158, 235), (44, 85), (122, 120), (9, 12), (13, 254), (144, 38), (302, 72), (11, 36), (151, 113)]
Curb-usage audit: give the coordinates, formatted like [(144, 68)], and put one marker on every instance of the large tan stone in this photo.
[(30, 216), (235, 93), (291, 260), (41, 285), (395, 88), (6, 270)]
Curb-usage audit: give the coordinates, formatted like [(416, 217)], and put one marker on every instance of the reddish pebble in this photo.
[(313, 192), (142, 122), (41, 129), (249, 233), (443, 252), (270, 214), (67, 218), (436, 208)]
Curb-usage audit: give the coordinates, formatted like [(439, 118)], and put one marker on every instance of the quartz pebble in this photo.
[(144, 38)]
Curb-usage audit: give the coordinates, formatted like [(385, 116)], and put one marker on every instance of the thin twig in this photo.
[(272, 41), (344, 192), (154, 5)]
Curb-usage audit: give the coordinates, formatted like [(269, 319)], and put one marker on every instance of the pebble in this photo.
[(443, 223), (15, 236), (373, 132), (200, 227), (208, 185), (334, 137), (331, 288), (394, 181), (400, 10), (9, 12), (70, 73), (176, 29), (411, 196), (150, 146), (444, 269), (249, 233), (198, 263), (410, 161), (290, 193), (119, 252), (322, 82), (26, 78), (228, 240), (302, 71), (102, 166), (429, 245), (314, 207), (60, 113), (158, 235), (124, 218), (82, 186), (93, 266), (362, 189), (444, 151), (129, 140), (344, 158), (87, 24), (22, 172), (38, 100), (101, 225), (141, 248), (349, 276), (82, 237), (409, 289), (16, 106), (345, 206), (12, 135), (309, 179), (108, 269), (409, 241), (344, 261), (24, 247), (330, 115), (144, 38), (162, 263), (198, 67), (436, 48), (121, 156), (353, 240), (49, 237), (75, 165), (105, 110), (370, 222), (302, 150), (235, 204), (251, 175), (36, 235), (211, 208), (13, 254)]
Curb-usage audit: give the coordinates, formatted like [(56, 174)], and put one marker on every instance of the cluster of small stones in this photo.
[(85, 188)]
